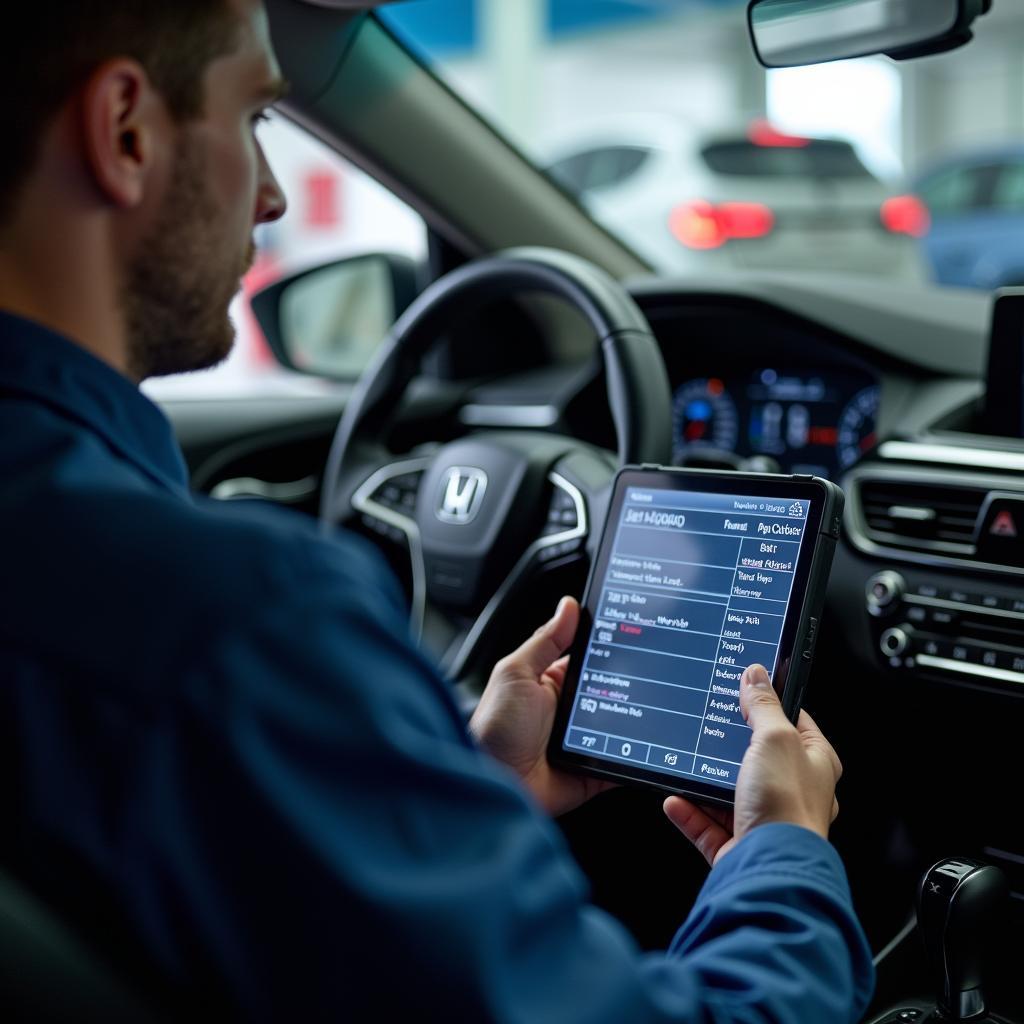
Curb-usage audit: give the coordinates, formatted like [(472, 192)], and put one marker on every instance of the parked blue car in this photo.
[(976, 203)]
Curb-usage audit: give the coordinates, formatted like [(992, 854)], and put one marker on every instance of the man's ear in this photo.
[(122, 121)]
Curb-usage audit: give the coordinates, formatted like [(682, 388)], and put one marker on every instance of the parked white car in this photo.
[(751, 197)]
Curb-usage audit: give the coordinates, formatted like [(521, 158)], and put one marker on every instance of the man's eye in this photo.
[(261, 118)]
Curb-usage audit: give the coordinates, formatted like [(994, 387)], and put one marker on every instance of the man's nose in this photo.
[(270, 198)]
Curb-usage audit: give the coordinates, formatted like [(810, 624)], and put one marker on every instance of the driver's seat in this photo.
[(46, 974)]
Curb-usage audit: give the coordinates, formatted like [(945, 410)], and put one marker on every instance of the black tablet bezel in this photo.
[(808, 587)]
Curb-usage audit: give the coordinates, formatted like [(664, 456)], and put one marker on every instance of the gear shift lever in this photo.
[(958, 904)]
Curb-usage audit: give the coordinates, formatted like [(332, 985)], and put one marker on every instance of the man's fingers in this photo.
[(812, 736), (549, 642), (555, 674), (807, 726), (707, 835), (758, 701)]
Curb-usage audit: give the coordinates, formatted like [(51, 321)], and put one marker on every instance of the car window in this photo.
[(599, 168), (961, 189), (334, 211), (1008, 189), (792, 169), (572, 171), (792, 158), (952, 191)]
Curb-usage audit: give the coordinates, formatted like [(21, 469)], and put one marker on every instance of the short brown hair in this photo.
[(51, 46)]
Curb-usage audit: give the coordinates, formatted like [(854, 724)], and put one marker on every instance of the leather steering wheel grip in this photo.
[(638, 389)]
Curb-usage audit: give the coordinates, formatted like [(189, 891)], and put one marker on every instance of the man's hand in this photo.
[(789, 774), (513, 720)]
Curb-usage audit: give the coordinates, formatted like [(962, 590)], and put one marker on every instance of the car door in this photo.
[(958, 245)]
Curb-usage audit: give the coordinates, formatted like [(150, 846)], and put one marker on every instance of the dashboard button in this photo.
[(987, 658), (893, 642), (927, 590), (1000, 535), (883, 590)]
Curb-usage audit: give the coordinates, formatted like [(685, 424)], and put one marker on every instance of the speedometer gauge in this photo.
[(704, 416), (856, 433)]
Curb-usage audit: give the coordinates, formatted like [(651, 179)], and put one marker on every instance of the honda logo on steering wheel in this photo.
[(462, 492)]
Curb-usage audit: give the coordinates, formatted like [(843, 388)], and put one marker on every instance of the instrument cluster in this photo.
[(803, 420)]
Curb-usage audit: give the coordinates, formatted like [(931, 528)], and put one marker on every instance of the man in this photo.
[(219, 750)]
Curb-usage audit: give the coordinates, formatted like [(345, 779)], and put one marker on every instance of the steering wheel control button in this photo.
[(398, 494), (562, 514), (883, 591), (893, 642)]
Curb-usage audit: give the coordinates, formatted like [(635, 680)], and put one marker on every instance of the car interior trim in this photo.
[(500, 195), (984, 458), (934, 554), (985, 671), (960, 606), (291, 492), (504, 416)]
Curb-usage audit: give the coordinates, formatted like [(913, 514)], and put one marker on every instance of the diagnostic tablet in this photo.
[(698, 574)]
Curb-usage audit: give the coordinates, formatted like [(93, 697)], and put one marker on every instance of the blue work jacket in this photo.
[(218, 746)]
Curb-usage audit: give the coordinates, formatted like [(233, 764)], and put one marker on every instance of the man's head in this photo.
[(136, 119)]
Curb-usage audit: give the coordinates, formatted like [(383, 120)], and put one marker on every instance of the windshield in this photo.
[(655, 115)]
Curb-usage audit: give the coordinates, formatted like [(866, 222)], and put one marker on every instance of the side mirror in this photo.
[(788, 33), (328, 320)]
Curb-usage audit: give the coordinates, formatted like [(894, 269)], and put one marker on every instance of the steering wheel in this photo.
[(480, 515)]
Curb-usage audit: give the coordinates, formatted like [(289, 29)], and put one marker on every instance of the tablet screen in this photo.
[(691, 588)]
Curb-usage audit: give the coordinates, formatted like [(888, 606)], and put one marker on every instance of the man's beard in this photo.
[(178, 289)]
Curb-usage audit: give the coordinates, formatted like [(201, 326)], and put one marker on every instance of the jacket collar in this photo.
[(38, 363)]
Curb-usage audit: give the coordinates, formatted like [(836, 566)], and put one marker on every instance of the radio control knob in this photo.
[(893, 642), (883, 590)]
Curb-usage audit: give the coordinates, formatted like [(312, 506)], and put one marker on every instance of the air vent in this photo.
[(921, 516)]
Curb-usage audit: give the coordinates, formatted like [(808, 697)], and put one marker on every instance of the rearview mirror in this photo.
[(328, 320), (787, 33)]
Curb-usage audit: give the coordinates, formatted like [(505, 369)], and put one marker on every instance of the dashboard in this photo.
[(777, 393), (804, 419)]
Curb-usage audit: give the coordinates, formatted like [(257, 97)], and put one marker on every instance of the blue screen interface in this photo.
[(696, 588)]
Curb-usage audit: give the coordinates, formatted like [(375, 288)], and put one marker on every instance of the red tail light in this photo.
[(761, 133), (703, 225), (906, 215)]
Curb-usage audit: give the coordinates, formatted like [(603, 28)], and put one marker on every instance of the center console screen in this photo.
[(1004, 392)]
